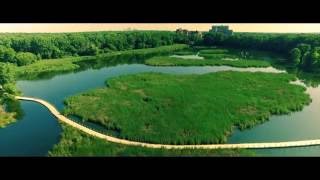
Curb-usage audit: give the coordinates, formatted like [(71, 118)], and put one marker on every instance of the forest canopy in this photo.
[(56, 45)]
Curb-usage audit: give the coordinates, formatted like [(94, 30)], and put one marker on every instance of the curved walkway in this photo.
[(62, 118)]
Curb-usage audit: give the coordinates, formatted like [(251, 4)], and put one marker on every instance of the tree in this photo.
[(295, 56), (304, 48), (90, 50), (7, 54), (306, 61), (6, 73), (25, 58), (10, 88), (315, 54), (316, 57), (312, 58)]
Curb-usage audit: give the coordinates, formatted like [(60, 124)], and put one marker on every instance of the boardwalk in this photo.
[(64, 119)]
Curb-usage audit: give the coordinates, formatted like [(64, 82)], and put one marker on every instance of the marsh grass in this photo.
[(76, 143), (187, 109), (212, 57), (173, 61)]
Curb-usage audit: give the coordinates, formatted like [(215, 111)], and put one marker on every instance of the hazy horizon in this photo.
[(86, 27)]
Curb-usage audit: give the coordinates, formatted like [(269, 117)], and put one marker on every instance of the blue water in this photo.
[(302, 125), (34, 135), (37, 132)]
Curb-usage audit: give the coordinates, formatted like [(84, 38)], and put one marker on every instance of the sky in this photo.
[(82, 27)]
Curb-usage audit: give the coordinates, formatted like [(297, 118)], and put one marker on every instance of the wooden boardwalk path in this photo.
[(87, 130)]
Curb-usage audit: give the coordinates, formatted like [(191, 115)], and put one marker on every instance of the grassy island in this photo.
[(187, 109)]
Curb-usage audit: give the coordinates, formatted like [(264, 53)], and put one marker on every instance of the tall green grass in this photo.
[(76, 143), (173, 61), (187, 109)]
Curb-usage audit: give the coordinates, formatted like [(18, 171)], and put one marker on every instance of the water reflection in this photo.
[(55, 87)]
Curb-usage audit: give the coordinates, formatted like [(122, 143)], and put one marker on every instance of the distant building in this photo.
[(221, 29)]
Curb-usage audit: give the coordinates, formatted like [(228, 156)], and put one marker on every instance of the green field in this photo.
[(76, 143), (187, 109), (173, 61)]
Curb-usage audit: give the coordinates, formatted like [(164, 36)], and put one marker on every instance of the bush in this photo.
[(7, 54), (10, 88), (25, 58), (6, 73)]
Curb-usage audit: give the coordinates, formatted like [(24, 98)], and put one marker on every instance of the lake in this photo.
[(37, 132)]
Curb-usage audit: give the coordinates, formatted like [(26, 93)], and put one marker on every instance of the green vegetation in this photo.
[(295, 56), (305, 57), (59, 45), (10, 112), (7, 90), (77, 143), (213, 51), (187, 109), (6, 73), (7, 54), (6, 118), (217, 54), (181, 53), (173, 61), (302, 50), (30, 68), (47, 66), (217, 57), (157, 50), (70, 64), (23, 49), (25, 58), (273, 42)]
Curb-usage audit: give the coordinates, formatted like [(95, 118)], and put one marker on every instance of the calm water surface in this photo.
[(37, 132)]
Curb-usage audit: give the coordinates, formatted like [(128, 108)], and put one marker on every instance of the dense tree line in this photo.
[(23, 49), (281, 43), (305, 56), (302, 50)]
